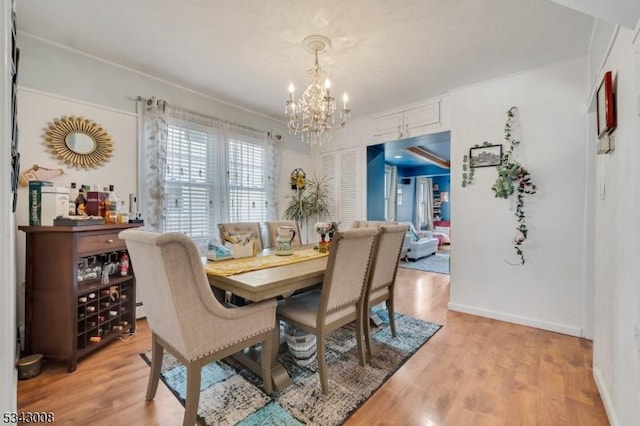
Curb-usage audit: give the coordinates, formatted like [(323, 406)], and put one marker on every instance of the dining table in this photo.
[(266, 276)]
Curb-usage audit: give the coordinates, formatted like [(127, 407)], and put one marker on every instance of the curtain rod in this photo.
[(221, 121)]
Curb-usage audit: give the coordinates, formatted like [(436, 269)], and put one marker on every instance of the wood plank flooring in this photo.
[(474, 371)]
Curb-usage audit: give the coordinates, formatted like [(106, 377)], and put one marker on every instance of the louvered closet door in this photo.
[(341, 167)]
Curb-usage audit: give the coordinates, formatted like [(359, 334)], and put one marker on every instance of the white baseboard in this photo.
[(140, 313), (544, 325), (606, 398)]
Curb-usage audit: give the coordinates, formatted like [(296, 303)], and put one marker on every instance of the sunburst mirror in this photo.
[(79, 142)]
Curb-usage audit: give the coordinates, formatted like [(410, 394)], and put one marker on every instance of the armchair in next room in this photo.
[(418, 244)]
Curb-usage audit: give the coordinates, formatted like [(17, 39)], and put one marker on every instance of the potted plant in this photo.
[(309, 203)]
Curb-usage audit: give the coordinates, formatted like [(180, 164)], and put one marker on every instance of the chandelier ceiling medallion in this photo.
[(313, 115)]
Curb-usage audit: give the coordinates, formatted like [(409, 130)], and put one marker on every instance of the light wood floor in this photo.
[(474, 371)]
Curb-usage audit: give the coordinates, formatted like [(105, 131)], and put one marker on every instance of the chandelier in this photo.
[(313, 115)]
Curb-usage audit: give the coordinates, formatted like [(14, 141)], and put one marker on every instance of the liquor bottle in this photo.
[(124, 264), (111, 213), (73, 194), (81, 202)]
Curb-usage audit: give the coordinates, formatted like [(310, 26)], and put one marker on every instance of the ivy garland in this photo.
[(512, 178), (467, 170)]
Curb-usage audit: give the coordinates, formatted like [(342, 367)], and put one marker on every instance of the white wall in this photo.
[(547, 291), (616, 346)]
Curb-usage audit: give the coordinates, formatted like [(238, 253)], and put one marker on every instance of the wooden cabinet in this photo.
[(69, 313), (408, 123)]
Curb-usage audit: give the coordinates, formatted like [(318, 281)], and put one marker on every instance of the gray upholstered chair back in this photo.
[(242, 227), (180, 306), (370, 223), (347, 268), (387, 256)]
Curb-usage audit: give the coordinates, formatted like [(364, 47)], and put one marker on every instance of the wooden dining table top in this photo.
[(271, 282)]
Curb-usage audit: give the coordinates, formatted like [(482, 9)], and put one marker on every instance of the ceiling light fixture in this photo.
[(313, 115)]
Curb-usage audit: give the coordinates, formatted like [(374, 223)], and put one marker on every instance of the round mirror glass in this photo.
[(80, 143)]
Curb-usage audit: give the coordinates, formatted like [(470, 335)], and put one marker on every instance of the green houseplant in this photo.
[(309, 203)]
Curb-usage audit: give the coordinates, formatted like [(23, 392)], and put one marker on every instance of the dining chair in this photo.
[(272, 231), (234, 228), (382, 276), (340, 299), (184, 316)]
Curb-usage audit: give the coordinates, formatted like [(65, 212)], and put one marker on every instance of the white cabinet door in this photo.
[(388, 127), (417, 120), (405, 124)]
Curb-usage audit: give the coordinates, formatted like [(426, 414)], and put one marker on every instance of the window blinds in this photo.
[(190, 181)]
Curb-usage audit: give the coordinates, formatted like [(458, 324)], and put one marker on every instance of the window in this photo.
[(387, 186), (247, 189), (190, 183)]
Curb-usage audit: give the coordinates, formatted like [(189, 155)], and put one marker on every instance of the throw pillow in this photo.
[(442, 229)]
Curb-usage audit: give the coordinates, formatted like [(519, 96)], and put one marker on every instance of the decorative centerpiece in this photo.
[(324, 229)]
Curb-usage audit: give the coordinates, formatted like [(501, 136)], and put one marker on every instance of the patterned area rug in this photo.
[(438, 263), (232, 395)]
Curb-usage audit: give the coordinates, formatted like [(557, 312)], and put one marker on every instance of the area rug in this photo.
[(438, 263), (232, 395)]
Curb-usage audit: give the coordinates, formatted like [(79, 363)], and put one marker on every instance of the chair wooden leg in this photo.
[(267, 350), (392, 316), (157, 352), (360, 327), (366, 321), (193, 394), (322, 363)]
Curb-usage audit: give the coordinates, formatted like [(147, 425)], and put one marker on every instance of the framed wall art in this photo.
[(605, 106), (485, 156)]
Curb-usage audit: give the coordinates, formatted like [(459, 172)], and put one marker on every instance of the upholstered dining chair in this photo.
[(233, 228), (184, 316), (382, 276), (340, 300), (272, 230)]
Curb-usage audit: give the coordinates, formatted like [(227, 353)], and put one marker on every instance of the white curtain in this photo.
[(424, 203), (274, 163), (152, 154), (392, 192)]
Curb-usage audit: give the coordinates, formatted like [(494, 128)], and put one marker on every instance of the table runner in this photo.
[(225, 268)]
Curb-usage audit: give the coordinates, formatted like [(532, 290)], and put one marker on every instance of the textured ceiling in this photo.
[(384, 54)]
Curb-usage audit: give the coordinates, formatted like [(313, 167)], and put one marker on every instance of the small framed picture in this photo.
[(485, 156), (606, 107)]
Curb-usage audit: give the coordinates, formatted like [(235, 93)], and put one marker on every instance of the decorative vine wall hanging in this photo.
[(512, 178)]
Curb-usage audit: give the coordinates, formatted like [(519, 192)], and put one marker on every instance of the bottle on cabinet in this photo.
[(110, 213), (124, 264), (73, 194), (81, 202)]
